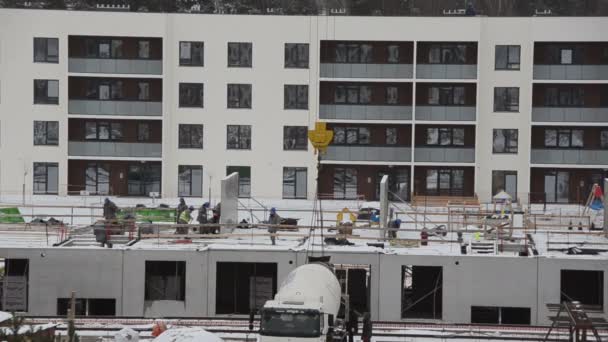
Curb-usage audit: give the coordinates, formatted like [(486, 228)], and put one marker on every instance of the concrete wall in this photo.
[(268, 34), (467, 280)]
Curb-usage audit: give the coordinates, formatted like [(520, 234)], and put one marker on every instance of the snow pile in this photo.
[(187, 335)]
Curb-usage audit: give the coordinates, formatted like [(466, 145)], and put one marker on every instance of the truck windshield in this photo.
[(287, 322)]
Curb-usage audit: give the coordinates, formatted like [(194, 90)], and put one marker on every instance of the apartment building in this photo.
[(134, 104)]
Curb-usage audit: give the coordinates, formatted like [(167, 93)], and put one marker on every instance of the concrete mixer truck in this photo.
[(305, 307)]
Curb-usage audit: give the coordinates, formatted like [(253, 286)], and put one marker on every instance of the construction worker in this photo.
[(394, 225), (109, 209), (181, 207), (109, 214), (201, 218), (273, 219), (184, 218)]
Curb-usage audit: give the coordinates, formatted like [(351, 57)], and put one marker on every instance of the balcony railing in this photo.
[(368, 153), (445, 113), (116, 66), (570, 72), (364, 112), (446, 71), (444, 154), (363, 70), (122, 107), (569, 114), (569, 156), (114, 149)]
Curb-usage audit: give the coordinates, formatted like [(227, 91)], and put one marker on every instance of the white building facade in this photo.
[(130, 104)]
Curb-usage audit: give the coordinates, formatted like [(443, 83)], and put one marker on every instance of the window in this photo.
[(244, 179), (604, 139), (46, 178), (391, 136), (353, 94), (498, 315), (505, 141), (565, 96), (564, 137), (239, 95), (296, 55), (244, 286), (507, 57), (143, 49), (445, 136), (392, 95), (97, 178), (446, 96), (190, 181), (295, 181), (165, 280), (191, 94), (143, 178), (354, 53), (103, 130), (46, 50), (46, 132), (445, 181), (104, 48), (112, 89), (584, 286), (295, 138), (46, 91), (239, 55), (143, 93), (190, 136), (238, 137), (351, 136), (87, 306), (506, 99), (345, 183), (392, 53), (505, 181), (143, 131), (447, 54), (296, 96), (421, 292), (565, 56), (191, 53), (15, 272), (557, 186)]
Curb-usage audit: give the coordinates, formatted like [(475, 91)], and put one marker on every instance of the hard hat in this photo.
[(206, 205), (191, 208), (398, 221), (273, 210)]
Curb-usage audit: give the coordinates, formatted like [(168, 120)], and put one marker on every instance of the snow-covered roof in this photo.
[(187, 335), (5, 316)]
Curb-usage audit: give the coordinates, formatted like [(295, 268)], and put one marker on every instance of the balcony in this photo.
[(569, 114), (368, 153), (114, 149), (362, 70), (569, 156), (446, 71), (444, 154), (570, 72), (120, 107), (365, 112), (445, 113), (116, 66)]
